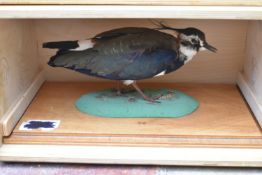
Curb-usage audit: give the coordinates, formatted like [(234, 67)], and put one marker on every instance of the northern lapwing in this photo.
[(131, 53)]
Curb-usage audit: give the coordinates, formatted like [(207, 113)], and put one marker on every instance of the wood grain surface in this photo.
[(223, 119), (141, 2)]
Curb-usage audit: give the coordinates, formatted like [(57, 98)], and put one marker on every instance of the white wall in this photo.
[(228, 36), (18, 59), (253, 63)]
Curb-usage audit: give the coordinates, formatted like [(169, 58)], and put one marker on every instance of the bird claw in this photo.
[(151, 100), (122, 92), (160, 97)]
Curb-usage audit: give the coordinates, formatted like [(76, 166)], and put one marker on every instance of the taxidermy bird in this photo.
[(131, 53)]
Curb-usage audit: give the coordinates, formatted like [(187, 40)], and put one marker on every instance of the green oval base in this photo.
[(107, 103)]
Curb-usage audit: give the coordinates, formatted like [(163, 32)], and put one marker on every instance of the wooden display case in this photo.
[(224, 131)]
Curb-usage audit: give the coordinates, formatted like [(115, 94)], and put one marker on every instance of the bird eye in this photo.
[(194, 41)]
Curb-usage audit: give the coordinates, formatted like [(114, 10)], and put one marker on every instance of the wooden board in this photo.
[(241, 157), (18, 63), (19, 60), (130, 12), (223, 119), (141, 2), (252, 67), (2, 90)]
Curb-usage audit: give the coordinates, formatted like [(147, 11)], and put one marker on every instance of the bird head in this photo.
[(190, 41), (193, 38)]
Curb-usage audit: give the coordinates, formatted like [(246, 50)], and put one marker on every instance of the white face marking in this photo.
[(201, 43), (189, 53), (128, 82), (202, 48), (160, 74), (83, 45), (188, 38)]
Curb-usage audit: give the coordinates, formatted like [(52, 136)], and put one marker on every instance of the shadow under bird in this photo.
[(131, 53)]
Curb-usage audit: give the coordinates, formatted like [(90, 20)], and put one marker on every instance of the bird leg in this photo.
[(118, 90), (143, 94), (122, 91)]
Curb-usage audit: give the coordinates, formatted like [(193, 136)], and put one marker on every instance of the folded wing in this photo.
[(130, 53)]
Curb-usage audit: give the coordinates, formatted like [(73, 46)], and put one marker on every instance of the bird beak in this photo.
[(209, 47)]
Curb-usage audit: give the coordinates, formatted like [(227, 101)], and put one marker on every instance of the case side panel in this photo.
[(251, 81), (19, 63)]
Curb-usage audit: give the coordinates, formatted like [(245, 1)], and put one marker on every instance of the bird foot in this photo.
[(169, 95), (151, 100), (121, 92)]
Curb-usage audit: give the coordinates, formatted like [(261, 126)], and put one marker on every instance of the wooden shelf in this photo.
[(130, 11), (223, 120), (140, 2)]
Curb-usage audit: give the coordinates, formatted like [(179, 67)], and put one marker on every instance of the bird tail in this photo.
[(70, 53), (71, 59), (62, 45), (63, 48), (52, 61)]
